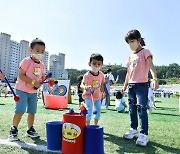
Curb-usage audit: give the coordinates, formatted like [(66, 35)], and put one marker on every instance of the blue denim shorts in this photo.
[(27, 102), (90, 106)]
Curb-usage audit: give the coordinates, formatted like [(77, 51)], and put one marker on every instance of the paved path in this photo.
[(26, 145)]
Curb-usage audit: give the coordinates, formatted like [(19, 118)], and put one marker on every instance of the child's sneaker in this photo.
[(132, 133), (32, 133), (142, 140), (13, 134)]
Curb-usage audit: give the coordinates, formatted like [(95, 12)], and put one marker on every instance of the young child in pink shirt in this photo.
[(138, 66), (31, 74), (92, 84)]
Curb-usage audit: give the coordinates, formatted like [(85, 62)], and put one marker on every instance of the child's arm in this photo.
[(126, 82), (153, 73), (23, 77), (113, 80), (84, 87), (2, 75), (44, 77)]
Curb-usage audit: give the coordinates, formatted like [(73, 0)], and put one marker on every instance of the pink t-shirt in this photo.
[(94, 81), (34, 71), (137, 66)]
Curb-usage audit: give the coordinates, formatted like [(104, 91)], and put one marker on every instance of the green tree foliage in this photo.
[(73, 74), (163, 73), (171, 71), (161, 81)]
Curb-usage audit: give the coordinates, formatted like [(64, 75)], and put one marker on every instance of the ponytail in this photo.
[(142, 42)]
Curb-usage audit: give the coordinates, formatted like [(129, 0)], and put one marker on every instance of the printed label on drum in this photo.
[(71, 131)]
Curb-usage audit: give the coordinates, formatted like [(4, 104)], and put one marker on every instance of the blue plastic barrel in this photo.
[(94, 140), (54, 135)]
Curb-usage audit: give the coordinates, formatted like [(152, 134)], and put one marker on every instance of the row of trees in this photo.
[(163, 73)]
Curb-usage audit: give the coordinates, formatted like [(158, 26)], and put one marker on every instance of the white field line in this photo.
[(27, 145)]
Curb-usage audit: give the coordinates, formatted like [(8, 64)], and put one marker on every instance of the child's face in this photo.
[(96, 63), (134, 44), (38, 51)]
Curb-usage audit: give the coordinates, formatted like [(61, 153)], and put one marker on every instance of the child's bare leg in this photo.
[(95, 121), (16, 119), (87, 122), (30, 119)]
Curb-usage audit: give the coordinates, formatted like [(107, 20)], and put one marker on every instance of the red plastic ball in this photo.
[(16, 98), (51, 83)]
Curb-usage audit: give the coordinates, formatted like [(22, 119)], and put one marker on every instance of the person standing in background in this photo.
[(109, 80), (80, 90)]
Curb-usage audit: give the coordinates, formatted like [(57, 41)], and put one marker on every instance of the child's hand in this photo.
[(50, 91), (103, 95), (155, 84), (87, 88), (2, 76), (123, 90), (37, 84)]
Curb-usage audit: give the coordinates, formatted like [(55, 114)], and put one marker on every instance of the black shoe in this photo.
[(32, 133), (13, 135)]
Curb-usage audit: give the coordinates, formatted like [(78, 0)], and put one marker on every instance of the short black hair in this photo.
[(96, 56), (119, 95), (105, 72), (134, 34), (109, 70), (36, 41)]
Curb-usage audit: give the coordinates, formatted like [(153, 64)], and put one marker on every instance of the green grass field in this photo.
[(164, 127)]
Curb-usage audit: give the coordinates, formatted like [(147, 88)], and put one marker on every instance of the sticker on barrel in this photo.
[(71, 131)]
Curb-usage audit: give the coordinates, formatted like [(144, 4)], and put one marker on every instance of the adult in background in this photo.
[(109, 80), (111, 77)]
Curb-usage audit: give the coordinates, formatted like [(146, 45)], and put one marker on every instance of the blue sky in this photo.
[(79, 28)]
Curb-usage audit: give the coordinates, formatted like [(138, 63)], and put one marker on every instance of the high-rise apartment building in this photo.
[(56, 66), (14, 61), (46, 57), (5, 48), (24, 48)]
